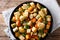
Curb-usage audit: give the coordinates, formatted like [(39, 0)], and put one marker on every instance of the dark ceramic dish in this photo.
[(20, 6)]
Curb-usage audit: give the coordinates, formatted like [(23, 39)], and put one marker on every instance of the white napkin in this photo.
[(6, 14), (50, 4)]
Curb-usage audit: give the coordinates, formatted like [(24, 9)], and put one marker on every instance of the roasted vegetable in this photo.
[(31, 21)]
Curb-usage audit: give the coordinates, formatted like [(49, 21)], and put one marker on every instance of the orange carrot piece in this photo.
[(14, 19), (30, 8), (18, 23), (33, 20), (36, 26)]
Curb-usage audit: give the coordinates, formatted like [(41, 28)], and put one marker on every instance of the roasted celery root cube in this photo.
[(38, 6), (15, 29), (28, 36), (17, 34), (21, 37), (13, 19), (43, 35), (21, 29), (13, 25)]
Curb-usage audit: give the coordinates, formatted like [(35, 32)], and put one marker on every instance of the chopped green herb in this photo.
[(41, 31), (23, 10), (28, 4), (26, 27), (22, 22), (24, 34), (42, 7), (16, 10), (46, 22), (39, 38), (13, 25)]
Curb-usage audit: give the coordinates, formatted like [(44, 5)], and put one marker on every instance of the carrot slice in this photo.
[(36, 26), (33, 20), (30, 8), (18, 23)]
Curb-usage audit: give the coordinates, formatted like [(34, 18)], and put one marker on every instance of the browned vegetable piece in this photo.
[(14, 19), (38, 6), (30, 9), (20, 9), (21, 30), (13, 25), (35, 36), (17, 34), (47, 26), (33, 20), (18, 23), (28, 36), (36, 26)]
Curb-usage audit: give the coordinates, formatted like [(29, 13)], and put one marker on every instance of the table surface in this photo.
[(5, 4)]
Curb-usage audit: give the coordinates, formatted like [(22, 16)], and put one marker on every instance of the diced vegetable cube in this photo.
[(30, 8), (44, 10), (17, 34), (29, 23), (47, 26), (32, 4), (18, 23), (22, 18), (28, 30), (15, 29), (38, 16), (34, 29), (35, 14), (33, 20), (13, 25), (48, 18), (27, 36), (31, 16), (41, 25), (43, 35), (25, 14), (21, 37), (21, 29), (13, 19), (25, 6), (17, 13), (41, 13), (38, 6)]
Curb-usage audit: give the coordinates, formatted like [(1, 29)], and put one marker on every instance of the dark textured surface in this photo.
[(58, 2), (5, 4)]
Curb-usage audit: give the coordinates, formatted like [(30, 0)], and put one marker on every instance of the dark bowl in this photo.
[(20, 6)]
